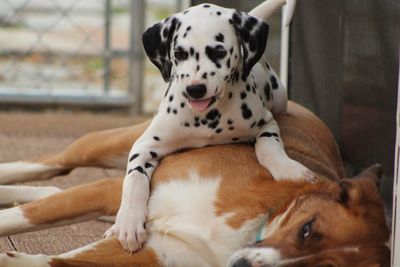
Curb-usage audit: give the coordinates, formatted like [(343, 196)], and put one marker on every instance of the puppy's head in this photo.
[(205, 48), (335, 225)]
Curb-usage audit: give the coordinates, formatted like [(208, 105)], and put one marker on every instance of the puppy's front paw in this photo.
[(289, 169), (130, 229)]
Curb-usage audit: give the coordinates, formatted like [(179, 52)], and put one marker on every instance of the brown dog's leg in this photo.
[(108, 149), (74, 205), (106, 252)]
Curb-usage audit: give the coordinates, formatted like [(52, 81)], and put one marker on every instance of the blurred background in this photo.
[(87, 53), (72, 66)]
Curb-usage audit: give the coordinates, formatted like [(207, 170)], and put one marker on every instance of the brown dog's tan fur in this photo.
[(247, 190)]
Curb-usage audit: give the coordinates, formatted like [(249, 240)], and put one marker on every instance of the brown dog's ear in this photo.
[(349, 193), (373, 172), (363, 186)]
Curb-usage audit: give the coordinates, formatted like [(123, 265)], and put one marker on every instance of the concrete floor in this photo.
[(27, 135)]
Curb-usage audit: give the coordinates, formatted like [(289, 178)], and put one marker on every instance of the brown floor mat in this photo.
[(26, 135)]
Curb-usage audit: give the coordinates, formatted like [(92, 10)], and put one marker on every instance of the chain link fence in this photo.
[(76, 51)]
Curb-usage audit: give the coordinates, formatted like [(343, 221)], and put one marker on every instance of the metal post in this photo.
[(137, 12), (107, 47)]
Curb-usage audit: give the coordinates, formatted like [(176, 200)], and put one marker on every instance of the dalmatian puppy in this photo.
[(220, 90)]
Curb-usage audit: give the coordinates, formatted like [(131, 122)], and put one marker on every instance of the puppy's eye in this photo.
[(215, 53), (219, 53), (180, 54)]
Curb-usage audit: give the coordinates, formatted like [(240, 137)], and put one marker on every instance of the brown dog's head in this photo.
[(339, 225)]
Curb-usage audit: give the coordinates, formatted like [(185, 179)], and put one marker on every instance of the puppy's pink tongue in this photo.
[(200, 105)]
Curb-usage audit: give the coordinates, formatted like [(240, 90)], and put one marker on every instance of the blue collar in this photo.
[(259, 237)]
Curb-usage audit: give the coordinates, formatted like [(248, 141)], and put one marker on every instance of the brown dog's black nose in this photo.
[(196, 91), (242, 262)]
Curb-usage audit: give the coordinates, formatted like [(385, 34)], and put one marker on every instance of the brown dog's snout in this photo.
[(196, 91)]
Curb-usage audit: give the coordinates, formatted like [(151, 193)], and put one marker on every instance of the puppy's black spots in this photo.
[(250, 23), (197, 124), (220, 37), (243, 95), (186, 11), (248, 88), (197, 56), (212, 73), (261, 123), (165, 32), (235, 139), (187, 75), (231, 128), (267, 91), (191, 51), (230, 122), (134, 156), (245, 35), (139, 169), (148, 165), (226, 78), (269, 134), (213, 114), (246, 112), (228, 63), (184, 35), (196, 118), (153, 154), (156, 138), (218, 13), (274, 83), (213, 124), (206, 6), (231, 50), (218, 65), (175, 111), (253, 124), (188, 28), (182, 76), (277, 140), (197, 67), (171, 98), (204, 121), (187, 124), (237, 18), (230, 95), (204, 76), (182, 104), (218, 130), (168, 110)]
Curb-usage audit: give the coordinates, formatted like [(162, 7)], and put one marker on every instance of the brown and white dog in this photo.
[(216, 206)]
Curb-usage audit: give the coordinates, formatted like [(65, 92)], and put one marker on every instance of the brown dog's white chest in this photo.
[(184, 225)]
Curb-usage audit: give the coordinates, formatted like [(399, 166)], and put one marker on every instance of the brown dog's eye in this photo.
[(305, 231)]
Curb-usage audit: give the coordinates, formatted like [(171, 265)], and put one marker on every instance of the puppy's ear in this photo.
[(157, 41), (253, 35)]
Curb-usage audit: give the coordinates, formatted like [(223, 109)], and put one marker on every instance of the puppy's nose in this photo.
[(242, 262), (196, 90)]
